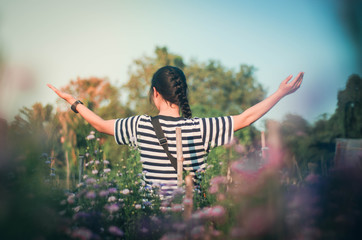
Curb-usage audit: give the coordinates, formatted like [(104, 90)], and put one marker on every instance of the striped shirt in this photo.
[(199, 136)]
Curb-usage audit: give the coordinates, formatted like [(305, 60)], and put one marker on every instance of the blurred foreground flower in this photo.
[(115, 231), (90, 137), (82, 233)]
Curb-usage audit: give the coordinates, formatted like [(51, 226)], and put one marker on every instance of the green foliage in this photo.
[(349, 109), (316, 143), (211, 85), (216, 87)]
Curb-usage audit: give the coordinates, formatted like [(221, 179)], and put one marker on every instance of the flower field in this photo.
[(239, 195)]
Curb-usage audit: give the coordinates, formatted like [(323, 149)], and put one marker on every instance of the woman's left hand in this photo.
[(287, 87), (66, 96)]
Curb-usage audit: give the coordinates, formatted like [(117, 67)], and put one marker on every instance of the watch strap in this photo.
[(74, 106)]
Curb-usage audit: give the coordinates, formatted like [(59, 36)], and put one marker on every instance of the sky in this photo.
[(57, 41)]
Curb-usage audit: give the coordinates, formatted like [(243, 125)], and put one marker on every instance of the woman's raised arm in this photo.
[(258, 110), (101, 125)]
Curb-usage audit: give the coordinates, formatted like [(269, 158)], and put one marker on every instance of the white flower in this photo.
[(70, 199), (94, 171), (137, 206), (106, 162), (92, 132), (90, 137), (125, 191), (106, 170), (96, 162), (112, 199), (76, 209)]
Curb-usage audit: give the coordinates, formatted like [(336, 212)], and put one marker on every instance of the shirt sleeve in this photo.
[(216, 131), (125, 130)]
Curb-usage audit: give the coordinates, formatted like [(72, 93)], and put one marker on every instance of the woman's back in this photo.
[(199, 135)]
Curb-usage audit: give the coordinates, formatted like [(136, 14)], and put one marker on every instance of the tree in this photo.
[(99, 95), (214, 86), (213, 89), (295, 131), (349, 109), (210, 84), (38, 123)]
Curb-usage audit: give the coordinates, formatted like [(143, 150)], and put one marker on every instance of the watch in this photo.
[(74, 106)]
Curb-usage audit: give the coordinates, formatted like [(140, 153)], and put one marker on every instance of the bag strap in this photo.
[(163, 140)]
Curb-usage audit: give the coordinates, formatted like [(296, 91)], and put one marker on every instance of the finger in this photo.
[(297, 82), (53, 88), (287, 79), (300, 78), (297, 79)]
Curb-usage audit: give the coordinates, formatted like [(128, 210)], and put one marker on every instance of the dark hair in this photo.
[(170, 82)]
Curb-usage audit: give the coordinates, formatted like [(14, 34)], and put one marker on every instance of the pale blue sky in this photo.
[(61, 40)]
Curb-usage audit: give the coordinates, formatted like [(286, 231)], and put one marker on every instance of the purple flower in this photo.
[(217, 211), (90, 181), (82, 233), (112, 190), (213, 189), (103, 193), (90, 195), (147, 203), (81, 215), (179, 226), (172, 236), (218, 180), (115, 231), (218, 214), (198, 232), (70, 199), (176, 208), (112, 208)]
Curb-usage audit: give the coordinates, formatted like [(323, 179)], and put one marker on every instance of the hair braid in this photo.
[(181, 94)]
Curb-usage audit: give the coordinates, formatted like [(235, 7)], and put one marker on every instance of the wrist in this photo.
[(71, 100), (280, 93), (75, 104)]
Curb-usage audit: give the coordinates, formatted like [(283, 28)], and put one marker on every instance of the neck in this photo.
[(169, 110)]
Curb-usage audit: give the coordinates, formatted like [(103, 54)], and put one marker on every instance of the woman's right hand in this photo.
[(66, 96), (287, 87)]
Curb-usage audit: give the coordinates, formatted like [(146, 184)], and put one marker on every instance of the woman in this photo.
[(169, 94)]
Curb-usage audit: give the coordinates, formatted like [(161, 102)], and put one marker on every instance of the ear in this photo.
[(155, 93)]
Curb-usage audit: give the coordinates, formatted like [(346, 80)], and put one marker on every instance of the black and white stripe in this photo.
[(199, 135)]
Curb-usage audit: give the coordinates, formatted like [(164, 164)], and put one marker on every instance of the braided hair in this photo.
[(170, 82)]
